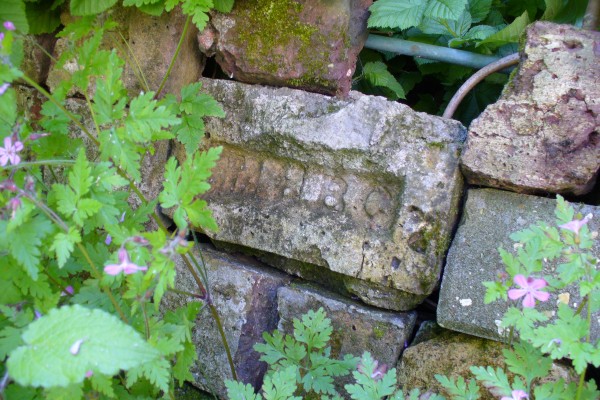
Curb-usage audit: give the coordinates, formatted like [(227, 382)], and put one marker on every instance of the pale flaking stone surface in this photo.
[(489, 218), (543, 134), (363, 187), (245, 295)]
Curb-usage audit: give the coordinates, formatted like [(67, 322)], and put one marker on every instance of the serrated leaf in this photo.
[(315, 329), (146, 117), (378, 75), (445, 9), (185, 361), (527, 361), (90, 7), (63, 245), (495, 379), (401, 14), (200, 215), (239, 391), (479, 9), (103, 384), (157, 371), (223, 6), (281, 385), (74, 340), (25, 242), (510, 34)]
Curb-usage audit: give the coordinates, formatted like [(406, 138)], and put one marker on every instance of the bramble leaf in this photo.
[(74, 340), (445, 9), (400, 14), (90, 7), (377, 74)]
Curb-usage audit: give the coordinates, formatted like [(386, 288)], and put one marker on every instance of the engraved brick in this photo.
[(363, 187)]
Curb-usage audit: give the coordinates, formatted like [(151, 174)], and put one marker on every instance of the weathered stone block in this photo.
[(440, 351), (356, 328), (245, 295), (542, 135), (151, 43), (363, 187), (308, 44), (489, 217)]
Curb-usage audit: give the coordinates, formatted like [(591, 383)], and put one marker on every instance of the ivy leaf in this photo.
[(510, 34), (90, 7), (74, 340), (63, 245), (445, 9), (401, 14)]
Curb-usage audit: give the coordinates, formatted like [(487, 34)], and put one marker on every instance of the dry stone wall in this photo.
[(357, 194)]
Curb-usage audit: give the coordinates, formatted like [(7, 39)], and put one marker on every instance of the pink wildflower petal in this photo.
[(521, 280), (575, 225), (123, 256), (4, 87), (536, 284), (131, 268), (541, 296), (68, 291), (515, 294), (529, 301), (89, 374), (113, 269), (9, 26), (18, 146)]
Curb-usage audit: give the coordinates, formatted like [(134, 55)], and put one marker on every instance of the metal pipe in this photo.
[(438, 53)]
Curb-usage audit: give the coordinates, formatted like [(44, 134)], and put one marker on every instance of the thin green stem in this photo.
[(146, 322), (44, 163), (92, 113), (215, 315), (57, 103), (138, 69), (39, 46), (177, 50), (61, 224)]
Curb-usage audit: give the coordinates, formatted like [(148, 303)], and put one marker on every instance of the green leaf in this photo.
[(459, 389), (90, 7), (239, 391), (80, 178), (281, 385), (103, 384), (146, 117), (315, 329), (110, 96), (42, 18), (493, 378), (527, 361), (223, 6), (74, 340), (401, 14), (157, 371), (510, 34), (185, 361), (190, 132), (8, 112), (445, 9), (198, 9), (200, 215), (14, 11), (63, 245), (377, 74), (553, 7), (479, 9)]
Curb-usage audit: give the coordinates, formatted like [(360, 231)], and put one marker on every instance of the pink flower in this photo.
[(9, 26), (9, 152), (68, 291), (378, 370), (530, 289), (4, 87), (516, 395), (575, 225), (125, 266)]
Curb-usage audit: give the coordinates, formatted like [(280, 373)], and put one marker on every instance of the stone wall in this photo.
[(351, 203)]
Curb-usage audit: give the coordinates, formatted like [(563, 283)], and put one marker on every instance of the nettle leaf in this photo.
[(510, 34), (479, 9), (376, 72), (401, 14), (90, 7), (445, 9), (75, 340)]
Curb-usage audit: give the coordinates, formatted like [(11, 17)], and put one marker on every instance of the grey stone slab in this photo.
[(245, 295), (489, 217), (441, 351), (364, 187), (356, 328), (542, 135)]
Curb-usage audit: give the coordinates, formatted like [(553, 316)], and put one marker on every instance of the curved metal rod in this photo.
[(477, 77)]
